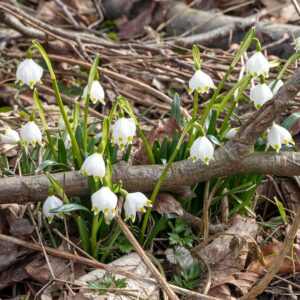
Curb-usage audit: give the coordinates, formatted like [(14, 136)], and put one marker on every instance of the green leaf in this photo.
[(290, 120), (48, 163), (175, 111), (280, 209), (213, 139), (84, 235), (196, 57), (69, 207), (4, 109), (62, 153), (58, 188)]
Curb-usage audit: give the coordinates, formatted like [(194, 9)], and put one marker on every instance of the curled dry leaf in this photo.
[(270, 252), (131, 262), (226, 256)]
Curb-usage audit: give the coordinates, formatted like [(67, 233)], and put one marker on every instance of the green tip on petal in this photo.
[(206, 160), (255, 74)]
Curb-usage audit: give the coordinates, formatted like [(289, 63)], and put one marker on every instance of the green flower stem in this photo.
[(129, 110), (242, 49), (76, 151), (44, 122), (93, 238), (92, 76), (233, 106), (162, 177), (229, 95), (215, 95), (291, 59), (195, 105)]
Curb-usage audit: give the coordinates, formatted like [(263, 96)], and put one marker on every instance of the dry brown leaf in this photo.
[(270, 252), (133, 263)]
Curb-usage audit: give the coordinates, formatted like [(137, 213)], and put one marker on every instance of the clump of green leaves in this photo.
[(188, 278), (108, 281), (181, 233)]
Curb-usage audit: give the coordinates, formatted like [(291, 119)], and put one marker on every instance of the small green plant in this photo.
[(188, 278), (181, 233), (108, 281)]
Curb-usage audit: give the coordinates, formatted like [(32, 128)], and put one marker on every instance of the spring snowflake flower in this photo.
[(277, 136), (52, 202), (106, 201), (67, 142), (297, 44), (10, 137), (260, 94), (123, 132), (231, 133), (277, 86), (258, 65), (135, 202), (29, 72), (94, 166), (97, 92), (31, 134), (202, 149), (201, 82)]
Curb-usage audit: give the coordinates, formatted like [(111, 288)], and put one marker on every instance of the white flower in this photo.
[(51, 202), (202, 149), (31, 134), (94, 166), (277, 86), (29, 72), (106, 201), (277, 136), (201, 82), (231, 133), (135, 202), (258, 65), (10, 137), (260, 94), (97, 92), (297, 44), (123, 132)]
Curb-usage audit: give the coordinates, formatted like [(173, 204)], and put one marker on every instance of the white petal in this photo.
[(200, 82), (123, 131), (260, 94), (51, 202), (94, 166), (31, 133), (10, 137), (231, 133), (202, 149), (257, 65), (97, 92), (29, 72), (104, 200)]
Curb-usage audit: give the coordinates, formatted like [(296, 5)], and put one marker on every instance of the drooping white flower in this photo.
[(106, 201), (260, 94), (201, 82), (135, 202), (52, 202), (10, 137), (29, 72), (202, 149), (277, 86), (94, 166), (31, 134), (297, 44), (277, 136), (123, 132), (258, 65), (231, 133), (97, 92)]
